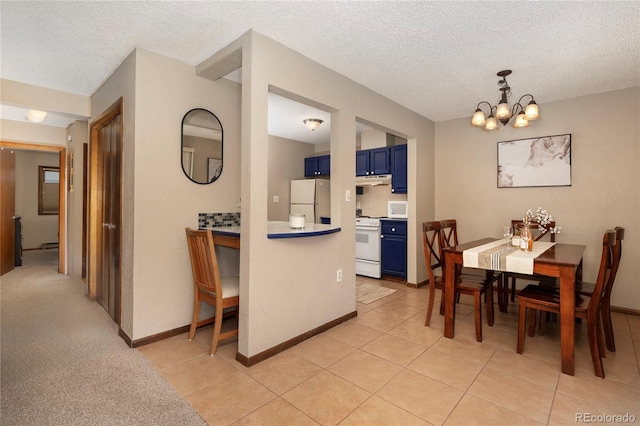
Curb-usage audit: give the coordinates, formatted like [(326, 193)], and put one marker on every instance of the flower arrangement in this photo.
[(543, 218)]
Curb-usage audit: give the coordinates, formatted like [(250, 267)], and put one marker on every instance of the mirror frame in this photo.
[(207, 159)]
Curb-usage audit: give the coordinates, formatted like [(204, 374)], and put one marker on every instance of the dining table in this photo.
[(562, 261)]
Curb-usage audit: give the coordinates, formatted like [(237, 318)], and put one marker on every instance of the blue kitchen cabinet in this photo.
[(394, 248), (317, 166), (375, 161), (399, 169)]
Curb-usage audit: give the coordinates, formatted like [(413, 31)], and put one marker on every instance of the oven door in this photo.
[(368, 244)]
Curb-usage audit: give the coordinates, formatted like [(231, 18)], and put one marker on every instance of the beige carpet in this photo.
[(368, 293), (62, 362)]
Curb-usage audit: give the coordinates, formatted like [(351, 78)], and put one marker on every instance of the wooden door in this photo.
[(7, 210), (105, 217)]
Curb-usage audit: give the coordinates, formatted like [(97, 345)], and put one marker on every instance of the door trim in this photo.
[(62, 206)]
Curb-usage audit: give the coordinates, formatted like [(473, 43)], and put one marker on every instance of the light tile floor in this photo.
[(386, 368)]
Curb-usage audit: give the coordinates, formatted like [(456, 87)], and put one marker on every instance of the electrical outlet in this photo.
[(339, 275), (276, 198)]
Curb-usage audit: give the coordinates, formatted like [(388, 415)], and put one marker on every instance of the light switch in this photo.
[(347, 195), (276, 198)]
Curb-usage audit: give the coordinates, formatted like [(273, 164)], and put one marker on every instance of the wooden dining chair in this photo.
[(208, 287), (534, 298), (513, 276), (587, 289), (433, 247), (449, 234)]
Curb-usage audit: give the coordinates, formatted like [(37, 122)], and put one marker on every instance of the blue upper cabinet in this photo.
[(317, 166), (399, 169), (373, 162)]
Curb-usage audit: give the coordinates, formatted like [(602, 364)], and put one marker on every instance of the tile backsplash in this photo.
[(206, 220)]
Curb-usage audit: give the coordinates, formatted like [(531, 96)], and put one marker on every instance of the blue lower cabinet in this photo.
[(394, 248)]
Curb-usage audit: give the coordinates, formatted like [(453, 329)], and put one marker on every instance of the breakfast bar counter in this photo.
[(274, 230)]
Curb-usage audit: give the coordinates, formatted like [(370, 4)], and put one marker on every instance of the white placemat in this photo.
[(497, 256)]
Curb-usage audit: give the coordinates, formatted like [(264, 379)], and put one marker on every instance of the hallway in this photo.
[(63, 363)]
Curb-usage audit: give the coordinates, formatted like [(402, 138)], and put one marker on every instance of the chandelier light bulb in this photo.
[(492, 123), (478, 118), (520, 121), (503, 111), (531, 111)]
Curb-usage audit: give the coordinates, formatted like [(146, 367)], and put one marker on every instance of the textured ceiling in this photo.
[(436, 58)]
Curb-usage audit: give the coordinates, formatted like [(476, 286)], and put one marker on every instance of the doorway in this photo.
[(105, 206), (7, 206)]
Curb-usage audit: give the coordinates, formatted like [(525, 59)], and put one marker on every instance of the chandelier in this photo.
[(503, 112)]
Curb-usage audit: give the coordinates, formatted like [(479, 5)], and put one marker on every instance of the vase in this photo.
[(526, 238)]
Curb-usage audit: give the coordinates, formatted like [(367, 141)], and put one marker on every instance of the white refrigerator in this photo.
[(312, 198)]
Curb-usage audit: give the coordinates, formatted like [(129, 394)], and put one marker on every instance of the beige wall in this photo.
[(159, 201), (288, 286), (20, 94), (604, 192), (36, 229), (122, 84), (79, 133), (374, 200), (286, 162)]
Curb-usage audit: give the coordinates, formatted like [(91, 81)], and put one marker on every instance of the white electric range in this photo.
[(368, 253)]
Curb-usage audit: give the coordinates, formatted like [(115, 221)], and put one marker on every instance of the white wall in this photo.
[(605, 153)]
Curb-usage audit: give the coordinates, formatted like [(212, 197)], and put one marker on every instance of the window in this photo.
[(48, 190)]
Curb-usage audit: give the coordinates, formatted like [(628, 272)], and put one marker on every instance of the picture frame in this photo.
[(214, 168), (535, 162)]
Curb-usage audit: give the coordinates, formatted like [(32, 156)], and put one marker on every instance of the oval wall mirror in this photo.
[(201, 146)]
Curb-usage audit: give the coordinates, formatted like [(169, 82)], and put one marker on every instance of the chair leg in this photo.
[(592, 334), (607, 325), (432, 295), (502, 303), (196, 314), (522, 319), (601, 346), (442, 303), (477, 301), (532, 322), (217, 327), (490, 314)]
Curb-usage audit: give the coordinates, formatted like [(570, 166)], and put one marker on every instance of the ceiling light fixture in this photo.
[(312, 123), (36, 116), (503, 112)]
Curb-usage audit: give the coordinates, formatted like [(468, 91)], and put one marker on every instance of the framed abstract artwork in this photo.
[(543, 161)]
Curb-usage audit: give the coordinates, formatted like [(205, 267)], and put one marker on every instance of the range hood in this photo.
[(373, 180)]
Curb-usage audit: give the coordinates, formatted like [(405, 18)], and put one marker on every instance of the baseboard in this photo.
[(626, 311), (253, 360), (156, 337), (394, 278), (418, 285)]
